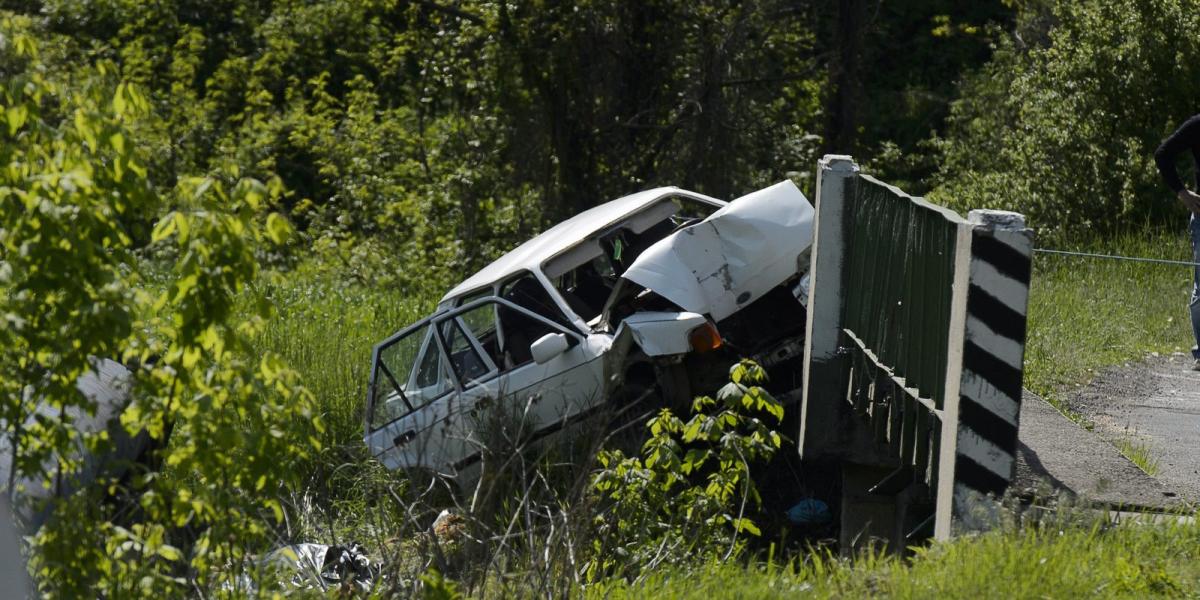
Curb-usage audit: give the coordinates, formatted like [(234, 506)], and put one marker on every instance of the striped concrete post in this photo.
[(983, 381)]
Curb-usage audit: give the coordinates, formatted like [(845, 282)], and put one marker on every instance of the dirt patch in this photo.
[(1154, 405)]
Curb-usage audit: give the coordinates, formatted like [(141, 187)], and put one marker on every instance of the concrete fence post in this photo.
[(823, 380), (985, 368)]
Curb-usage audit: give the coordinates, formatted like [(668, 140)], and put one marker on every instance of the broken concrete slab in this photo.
[(1054, 450)]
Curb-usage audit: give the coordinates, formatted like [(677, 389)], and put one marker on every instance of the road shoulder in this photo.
[(1055, 453)]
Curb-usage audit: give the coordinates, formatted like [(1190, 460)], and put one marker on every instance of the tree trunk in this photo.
[(844, 102)]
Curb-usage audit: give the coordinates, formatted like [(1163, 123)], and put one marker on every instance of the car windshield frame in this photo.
[(594, 248)]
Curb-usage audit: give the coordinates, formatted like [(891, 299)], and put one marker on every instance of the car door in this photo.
[(410, 392), (565, 387), (424, 380), (469, 375), (527, 400)]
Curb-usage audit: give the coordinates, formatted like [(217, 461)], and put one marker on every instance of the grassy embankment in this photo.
[(1085, 314), (1074, 561)]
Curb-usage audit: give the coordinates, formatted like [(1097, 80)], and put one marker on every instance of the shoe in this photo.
[(1196, 364)]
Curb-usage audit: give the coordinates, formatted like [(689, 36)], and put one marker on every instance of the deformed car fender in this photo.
[(660, 333), (656, 340)]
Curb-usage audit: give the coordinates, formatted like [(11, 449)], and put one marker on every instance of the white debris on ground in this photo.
[(315, 567)]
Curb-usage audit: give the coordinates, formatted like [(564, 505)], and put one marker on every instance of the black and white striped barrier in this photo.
[(983, 383)]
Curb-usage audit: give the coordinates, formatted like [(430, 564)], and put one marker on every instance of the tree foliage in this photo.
[(441, 134), (230, 425), (1064, 128)]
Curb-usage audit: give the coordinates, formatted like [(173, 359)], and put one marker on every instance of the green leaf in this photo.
[(737, 372), (16, 116), (277, 509), (692, 430), (747, 526), (199, 185), (252, 192), (165, 227), (118, 101), (183, 225), (278, 228), (169, 552)]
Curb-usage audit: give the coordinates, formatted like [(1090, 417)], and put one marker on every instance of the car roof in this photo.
[(530, 255)]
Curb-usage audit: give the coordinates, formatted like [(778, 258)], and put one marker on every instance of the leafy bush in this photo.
[(690, 492), (1065, 132), (229, 424)]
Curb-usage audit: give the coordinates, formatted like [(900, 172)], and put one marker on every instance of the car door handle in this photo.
[(404, 438)]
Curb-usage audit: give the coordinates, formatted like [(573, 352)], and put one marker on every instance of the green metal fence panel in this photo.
[(898, 271), (915, 340), (901, 263)]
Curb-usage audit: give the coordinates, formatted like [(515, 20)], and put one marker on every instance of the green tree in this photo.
[(74, 201), (1065, 130)]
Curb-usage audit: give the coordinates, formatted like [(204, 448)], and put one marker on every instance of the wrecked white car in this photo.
[(660, 290)]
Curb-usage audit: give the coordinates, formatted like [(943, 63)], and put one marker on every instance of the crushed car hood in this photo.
[(733, 257)]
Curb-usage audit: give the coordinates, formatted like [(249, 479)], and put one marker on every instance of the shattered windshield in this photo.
[(586, 273)]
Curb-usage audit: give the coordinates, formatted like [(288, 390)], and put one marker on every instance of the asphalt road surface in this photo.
[(1156, 404), (1055, 455)]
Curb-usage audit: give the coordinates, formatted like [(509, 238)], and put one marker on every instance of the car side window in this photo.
[(520, 330), (473, 339), (430, 371), (465, 357), (409, 374)]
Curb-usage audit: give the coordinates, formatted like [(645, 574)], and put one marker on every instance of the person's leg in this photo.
[(1194, 305)]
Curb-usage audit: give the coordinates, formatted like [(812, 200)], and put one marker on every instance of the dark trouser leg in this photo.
[(1194, 305)]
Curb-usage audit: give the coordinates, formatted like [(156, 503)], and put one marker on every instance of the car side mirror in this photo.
[(548, 346)]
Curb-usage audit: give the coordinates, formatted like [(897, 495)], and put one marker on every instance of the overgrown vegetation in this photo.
[(1087, 313), (1063, 122), (238, 198), (553, 518), (1052, 560), (690, 494), (76, 208)]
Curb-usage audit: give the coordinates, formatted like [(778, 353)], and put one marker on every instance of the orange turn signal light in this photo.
[(705, 338)]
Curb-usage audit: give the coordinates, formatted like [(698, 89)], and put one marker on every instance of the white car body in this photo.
[(685, 272)]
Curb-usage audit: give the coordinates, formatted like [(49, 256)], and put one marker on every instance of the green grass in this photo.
[(1086, 314), (1075, 561), (326, 329), (1139, 454)]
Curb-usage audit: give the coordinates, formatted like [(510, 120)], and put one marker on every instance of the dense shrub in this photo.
[(689, 494), (229, 425), (1064, 129)]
